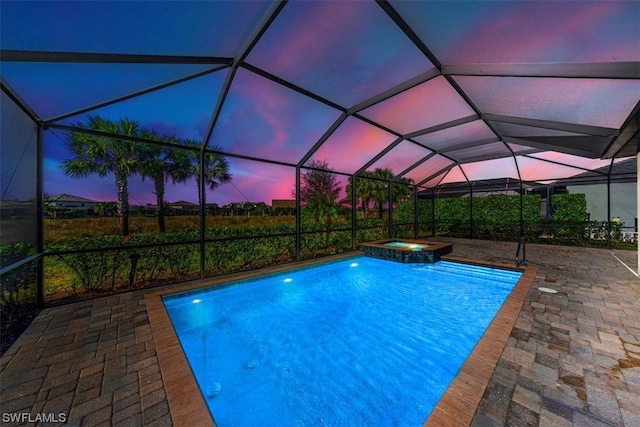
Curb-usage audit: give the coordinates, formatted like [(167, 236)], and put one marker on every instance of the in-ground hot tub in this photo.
[(406, 250)]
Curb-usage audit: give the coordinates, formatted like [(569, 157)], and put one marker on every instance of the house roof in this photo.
[(482, 187), (622, 171), (182, 203), (68, 198)]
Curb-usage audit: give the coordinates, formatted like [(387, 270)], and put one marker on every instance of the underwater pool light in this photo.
[(288, 280), (196, 301), (353, 264)]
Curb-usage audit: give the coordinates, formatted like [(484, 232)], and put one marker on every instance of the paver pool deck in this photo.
[(571, 359)]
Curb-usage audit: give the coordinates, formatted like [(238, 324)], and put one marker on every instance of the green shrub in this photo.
[(569, 214), (494, 217)]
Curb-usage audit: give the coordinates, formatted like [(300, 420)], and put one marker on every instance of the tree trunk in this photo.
[(123, 202), (158, 183)]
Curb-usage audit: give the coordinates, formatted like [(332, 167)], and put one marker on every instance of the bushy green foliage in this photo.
[(569, 207), (498, 217), (494, 217), (569, 212), (111, 263), (404, 211), (18, 303), (114, 262), (11, 253)]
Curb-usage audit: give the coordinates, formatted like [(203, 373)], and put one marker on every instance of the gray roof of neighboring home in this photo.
[(623, 171), (68, 198)]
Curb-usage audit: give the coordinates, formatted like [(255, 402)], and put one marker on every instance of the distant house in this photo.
[(283, 206), (593, 185), (65, 205), (237, 208), (182, 208), (178, 208), (283, 203)]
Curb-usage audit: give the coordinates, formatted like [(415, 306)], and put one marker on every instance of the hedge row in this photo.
[(494, 217)]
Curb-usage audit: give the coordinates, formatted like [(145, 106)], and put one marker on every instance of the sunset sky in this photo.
[(343, 52)]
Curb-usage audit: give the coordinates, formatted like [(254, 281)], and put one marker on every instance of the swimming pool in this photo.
[(348, 343)]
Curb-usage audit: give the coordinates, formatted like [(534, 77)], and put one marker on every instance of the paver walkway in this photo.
[(573, 358)]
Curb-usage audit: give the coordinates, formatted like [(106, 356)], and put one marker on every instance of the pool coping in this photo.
[(456, 407)]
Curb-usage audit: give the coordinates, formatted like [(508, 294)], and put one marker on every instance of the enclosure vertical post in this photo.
[(390, 190), (609, 209), (298, 215), (433, 213), (638, 204), (203, 211), (522, 208), (354, 214), (609, 206), (416, 224), (470, 211), (40, 213)]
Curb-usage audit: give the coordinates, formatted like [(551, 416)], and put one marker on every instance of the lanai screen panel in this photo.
[(69, 86), (493, 150), (532, 32), (182, 111), (523, 131), (491, 169), (522, 149), (18, 180), (263, 119), (595, 102), (436, 180), (401, 157), (352, 145), (532, 169), (423, 106), (476, 130), (344, 51), (252, 180), (432, 166), (570, 160), (198, 28), (455, 174)]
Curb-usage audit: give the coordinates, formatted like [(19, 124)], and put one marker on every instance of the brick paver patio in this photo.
[(572, 358)]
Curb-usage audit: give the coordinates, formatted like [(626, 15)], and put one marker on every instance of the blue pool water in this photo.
[(356, 342)]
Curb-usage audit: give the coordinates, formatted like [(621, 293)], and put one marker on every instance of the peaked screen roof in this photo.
[(491, 88)]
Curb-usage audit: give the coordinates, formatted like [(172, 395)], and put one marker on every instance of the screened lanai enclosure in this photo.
[(149, 142)]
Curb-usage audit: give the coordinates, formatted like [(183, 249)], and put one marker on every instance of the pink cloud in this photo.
[(352, 145), (423, 106), (551, 32), (491, 169), (468, 132), (428, 168), (401, 157)]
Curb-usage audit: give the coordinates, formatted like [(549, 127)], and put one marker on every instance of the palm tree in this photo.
[(104, 155), (365, 188), (216, 167), (161, 164), (380, 194)]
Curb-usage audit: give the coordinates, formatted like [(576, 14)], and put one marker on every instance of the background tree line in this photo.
[(320, 191), (124, 158)]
